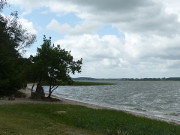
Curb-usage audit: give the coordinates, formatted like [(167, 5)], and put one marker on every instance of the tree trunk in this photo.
[(32, 89), (39, 93), (33, 85), (49, 95), (50, 90)]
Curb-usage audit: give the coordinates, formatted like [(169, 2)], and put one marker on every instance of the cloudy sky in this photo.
[(115, 38)]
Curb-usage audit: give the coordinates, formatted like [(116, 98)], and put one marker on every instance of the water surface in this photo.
[(159, 99)]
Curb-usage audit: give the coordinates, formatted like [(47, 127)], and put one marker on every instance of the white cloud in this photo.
[(133, 54), (151, 46), (83, 28), (28, 26), (136, 16), (55, 5), (92, 47), (172, 7)]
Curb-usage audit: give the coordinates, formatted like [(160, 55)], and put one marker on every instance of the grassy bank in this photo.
[(28, 119), (80, 83)]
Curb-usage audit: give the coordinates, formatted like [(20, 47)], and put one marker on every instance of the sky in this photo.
[(115, 38)]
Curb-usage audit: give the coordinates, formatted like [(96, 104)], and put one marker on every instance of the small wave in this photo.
[(140, 109), (173, 114)]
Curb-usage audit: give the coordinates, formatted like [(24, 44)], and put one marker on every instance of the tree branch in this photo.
[(55, 88)]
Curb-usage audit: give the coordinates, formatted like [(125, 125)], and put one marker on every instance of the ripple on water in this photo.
[(159, 99)]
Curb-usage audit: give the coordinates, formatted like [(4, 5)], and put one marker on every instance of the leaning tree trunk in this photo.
[(32, 89), (49, 95), (50, 91), (33, 85)]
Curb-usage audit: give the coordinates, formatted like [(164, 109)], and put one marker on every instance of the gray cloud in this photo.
[(151, 45), (137, 16), (112, 6)]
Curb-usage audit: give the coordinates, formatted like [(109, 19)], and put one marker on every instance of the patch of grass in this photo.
[(36, 119), (77, 83), (49, 119)]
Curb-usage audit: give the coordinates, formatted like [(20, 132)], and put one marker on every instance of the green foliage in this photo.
[(40, 118), (13, 38), (78, 83), (9, 81), (2, 4), (20, 94), (53, 64)]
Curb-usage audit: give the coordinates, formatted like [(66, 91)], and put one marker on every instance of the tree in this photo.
[(53, 65), (2, 4), (13, 39)]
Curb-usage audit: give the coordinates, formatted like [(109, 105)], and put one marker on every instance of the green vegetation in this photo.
[(52, 64), (78, 83), (69, 119), (13, 40)]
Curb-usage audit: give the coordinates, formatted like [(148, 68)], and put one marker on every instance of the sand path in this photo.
[(27, 99)]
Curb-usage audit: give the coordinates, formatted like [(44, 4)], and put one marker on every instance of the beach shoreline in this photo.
[(27, 99), (72, 102)]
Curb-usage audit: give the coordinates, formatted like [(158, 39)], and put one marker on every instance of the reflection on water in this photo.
[(153, 98)]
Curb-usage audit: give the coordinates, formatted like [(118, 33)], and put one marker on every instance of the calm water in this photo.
[(160, 99)]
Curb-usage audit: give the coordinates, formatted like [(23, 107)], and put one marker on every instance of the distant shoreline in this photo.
[(128, 79)]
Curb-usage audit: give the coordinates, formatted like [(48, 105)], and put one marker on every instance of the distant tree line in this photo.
[(149, 79), (129, 79)]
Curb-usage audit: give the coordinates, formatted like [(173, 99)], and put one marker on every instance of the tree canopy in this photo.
[(2, 4), (13, 40), (53, 64)]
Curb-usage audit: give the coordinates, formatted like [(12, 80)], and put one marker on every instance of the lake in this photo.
[(156, 99)]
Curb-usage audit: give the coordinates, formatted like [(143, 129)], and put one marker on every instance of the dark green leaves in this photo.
[(13, 39), (53, 64)]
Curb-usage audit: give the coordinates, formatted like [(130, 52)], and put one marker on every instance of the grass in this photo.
[(78, 83), (52, 119)]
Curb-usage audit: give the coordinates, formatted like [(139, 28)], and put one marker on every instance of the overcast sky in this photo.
[(115, 38)]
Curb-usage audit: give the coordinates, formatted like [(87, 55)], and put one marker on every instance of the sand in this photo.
[(27, 99)]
